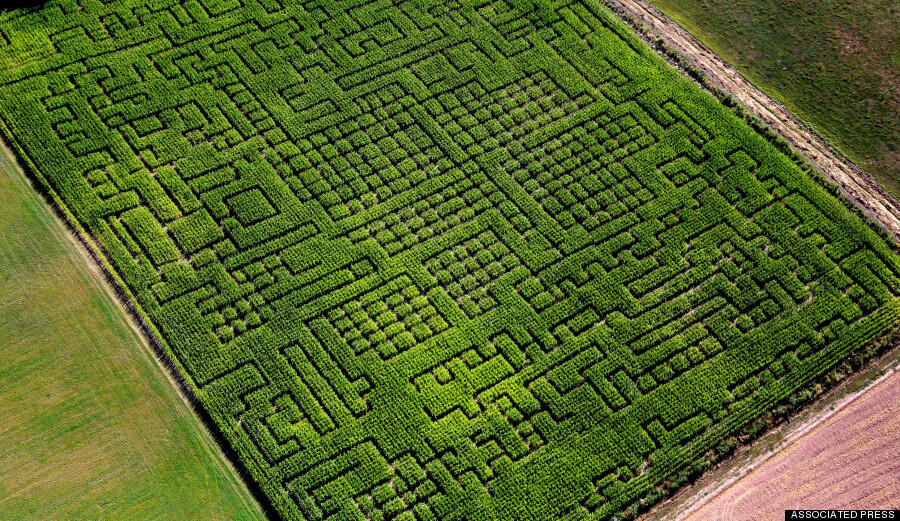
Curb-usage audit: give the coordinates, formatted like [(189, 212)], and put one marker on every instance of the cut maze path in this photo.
[(428, 260)]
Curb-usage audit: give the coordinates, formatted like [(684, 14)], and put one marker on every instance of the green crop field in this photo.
[(439, 259), (90, 427)]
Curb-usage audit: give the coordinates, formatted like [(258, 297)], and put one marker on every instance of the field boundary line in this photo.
[(799, 432), (856, 186), (136, 316), (62, 230)]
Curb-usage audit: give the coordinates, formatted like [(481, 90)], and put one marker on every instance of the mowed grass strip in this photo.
[(90, 425), (479, 259)]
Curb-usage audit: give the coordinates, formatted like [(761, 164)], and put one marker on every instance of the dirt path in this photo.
[(851, 460), (855, 185)]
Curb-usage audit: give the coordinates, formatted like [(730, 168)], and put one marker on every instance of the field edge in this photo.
[(836, 396), (184, 385)]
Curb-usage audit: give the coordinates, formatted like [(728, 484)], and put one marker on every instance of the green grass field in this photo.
[(478, 260), (91, 427), (834, 64)]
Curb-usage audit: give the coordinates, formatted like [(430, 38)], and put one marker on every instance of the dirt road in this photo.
[(855, 185), (842, 451)]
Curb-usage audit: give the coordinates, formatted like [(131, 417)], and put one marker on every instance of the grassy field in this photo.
[(834, 64), (92, 429), (478, 259)]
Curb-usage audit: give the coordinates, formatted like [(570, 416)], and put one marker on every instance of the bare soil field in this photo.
[(850, 461), (844, 454)]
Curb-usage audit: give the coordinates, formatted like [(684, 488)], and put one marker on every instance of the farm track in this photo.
[(855, 185)]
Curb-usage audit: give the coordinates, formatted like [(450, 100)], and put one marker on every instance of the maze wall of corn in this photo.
[(439, 259)]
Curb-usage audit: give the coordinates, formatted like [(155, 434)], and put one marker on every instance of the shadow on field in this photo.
[(25, 5)]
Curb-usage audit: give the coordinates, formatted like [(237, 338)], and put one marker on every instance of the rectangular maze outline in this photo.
[(657, 427)]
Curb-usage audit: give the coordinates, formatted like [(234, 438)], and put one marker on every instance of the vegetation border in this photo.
[(808, 394), (677, 59)]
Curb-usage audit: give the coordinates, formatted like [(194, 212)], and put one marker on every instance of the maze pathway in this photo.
[(439, 259)]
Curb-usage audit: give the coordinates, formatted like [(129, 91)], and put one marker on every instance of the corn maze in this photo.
[(439, 259)]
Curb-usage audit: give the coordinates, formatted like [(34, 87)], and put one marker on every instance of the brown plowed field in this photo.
[(849, 461)]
